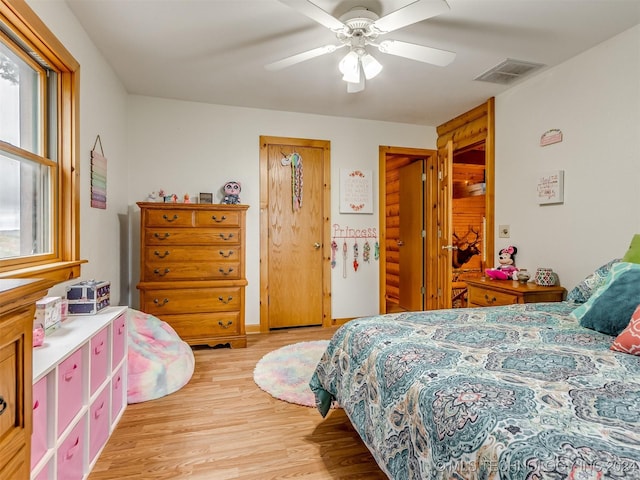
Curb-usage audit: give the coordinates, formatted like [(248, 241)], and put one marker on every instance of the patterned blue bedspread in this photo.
[(515, 392)]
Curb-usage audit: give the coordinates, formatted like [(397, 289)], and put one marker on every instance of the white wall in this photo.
[(185, 147), (102, 112), (594, 99)]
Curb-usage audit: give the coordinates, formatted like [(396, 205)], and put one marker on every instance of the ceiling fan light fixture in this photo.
[(350, 67), (370, 65)]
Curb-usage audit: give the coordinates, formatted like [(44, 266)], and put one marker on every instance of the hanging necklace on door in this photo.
[(295, 161), (344, 259)]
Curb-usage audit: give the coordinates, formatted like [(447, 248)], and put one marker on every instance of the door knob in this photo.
[(316, 245), (400, 243)]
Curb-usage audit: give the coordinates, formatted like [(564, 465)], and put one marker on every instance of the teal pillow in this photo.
[(610, 308), (633, 254)]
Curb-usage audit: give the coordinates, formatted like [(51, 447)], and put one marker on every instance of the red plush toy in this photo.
[(507, 268)]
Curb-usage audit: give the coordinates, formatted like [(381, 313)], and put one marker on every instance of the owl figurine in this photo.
[(231, 192)]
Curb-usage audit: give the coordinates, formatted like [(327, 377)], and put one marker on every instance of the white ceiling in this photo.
[(214, 51)]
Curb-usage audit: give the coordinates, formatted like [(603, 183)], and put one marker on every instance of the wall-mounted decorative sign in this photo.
[(550, 188), (356, 191), (98, 176), (550, 137)]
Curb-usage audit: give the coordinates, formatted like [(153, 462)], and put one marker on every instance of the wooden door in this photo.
[(445, 246), (411, 242), (295, 247)]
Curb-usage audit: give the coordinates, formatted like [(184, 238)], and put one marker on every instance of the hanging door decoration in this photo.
[(98, 176), (295, 161)]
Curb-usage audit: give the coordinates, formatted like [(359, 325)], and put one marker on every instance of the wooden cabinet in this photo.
[(79, 393), (192, 270), (484, 292), (17, 308)]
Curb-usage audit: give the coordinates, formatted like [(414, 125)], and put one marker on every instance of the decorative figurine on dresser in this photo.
[(192, 270)]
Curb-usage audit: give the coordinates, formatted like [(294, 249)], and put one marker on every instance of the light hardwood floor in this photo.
[(222, 426)]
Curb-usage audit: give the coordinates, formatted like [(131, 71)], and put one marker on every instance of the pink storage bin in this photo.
[(119, 339), (39, 444), (70, 454), (69, 389), (99, 359), (99, 423), (117, 385)]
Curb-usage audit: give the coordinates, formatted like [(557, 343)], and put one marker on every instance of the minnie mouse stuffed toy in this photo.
[(507, 268)]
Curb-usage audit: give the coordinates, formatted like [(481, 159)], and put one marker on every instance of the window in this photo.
[(38, 135)]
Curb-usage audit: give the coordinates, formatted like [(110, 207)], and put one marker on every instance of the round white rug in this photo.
[(285, 373)]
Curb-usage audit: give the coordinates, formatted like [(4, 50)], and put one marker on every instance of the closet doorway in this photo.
[(438, 230), (404, 176)]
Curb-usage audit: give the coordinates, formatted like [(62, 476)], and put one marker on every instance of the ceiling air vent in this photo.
[(509, 71)]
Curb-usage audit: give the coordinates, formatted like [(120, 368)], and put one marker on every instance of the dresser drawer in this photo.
[(70, 454), (117, 392), (168, 271), (192, 236), (190, 326), (69, 389), (186, 253), (175, 218), (192, 300), (222, 219), (39, 444), (491, 298), (119, 335), (99, 422), (99, 359)]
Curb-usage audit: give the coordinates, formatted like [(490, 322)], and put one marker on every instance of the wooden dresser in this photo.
[(192, 270), (485, 292), (17, 308)]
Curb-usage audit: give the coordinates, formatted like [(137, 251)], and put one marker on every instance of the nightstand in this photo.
[(486, 292)]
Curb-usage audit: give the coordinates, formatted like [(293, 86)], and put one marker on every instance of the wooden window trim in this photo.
[(66, 214)]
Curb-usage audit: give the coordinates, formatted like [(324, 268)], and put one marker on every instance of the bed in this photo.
[(512, 392)]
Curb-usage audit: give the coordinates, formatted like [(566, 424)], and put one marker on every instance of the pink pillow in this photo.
[(629, 339)]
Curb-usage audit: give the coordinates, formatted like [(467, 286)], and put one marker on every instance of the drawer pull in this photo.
[(228, 272), (118, 380), (229, 298), (72, 451), (98, 413), (227, 238), (175, 217), (36, 405), (163, 237), (226, 255), (157, 302), (225, 325), (218, 220), (161, 274), (161, 255), (490, 300), (3, 405), (98, 349), (68, 376)]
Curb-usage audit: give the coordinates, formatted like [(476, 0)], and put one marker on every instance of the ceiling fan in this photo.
[(359, 28)]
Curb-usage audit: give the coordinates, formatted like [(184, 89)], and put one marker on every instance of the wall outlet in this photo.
[(504, 231)]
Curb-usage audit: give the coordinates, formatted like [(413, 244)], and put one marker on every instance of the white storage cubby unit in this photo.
[(79, 393)]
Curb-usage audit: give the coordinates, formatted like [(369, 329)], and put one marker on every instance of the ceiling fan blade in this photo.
[(420, 53), (413, 13), (301, 57), (315, 13)]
